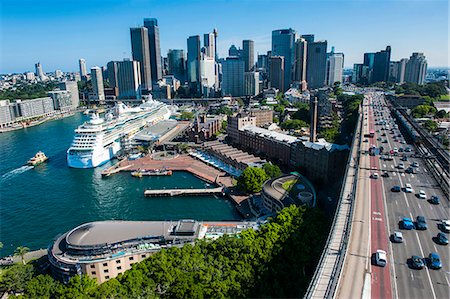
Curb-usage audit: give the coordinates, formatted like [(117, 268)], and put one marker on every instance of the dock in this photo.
[(185, 192), (114, 169)]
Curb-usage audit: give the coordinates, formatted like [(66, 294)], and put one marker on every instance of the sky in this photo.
[(59, 32)]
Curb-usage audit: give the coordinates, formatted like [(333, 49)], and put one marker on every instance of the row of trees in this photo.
[(27, 91), (278, 260), (434, 90)]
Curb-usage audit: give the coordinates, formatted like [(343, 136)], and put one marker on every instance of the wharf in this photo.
[(186, 192), (115, 169)]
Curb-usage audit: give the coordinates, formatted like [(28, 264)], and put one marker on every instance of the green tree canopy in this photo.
[(430, 125), (293, 124), (15, 278), (187, 115), (423, 110), (21, 251), (252, 179), (441, 114), (272, 170)]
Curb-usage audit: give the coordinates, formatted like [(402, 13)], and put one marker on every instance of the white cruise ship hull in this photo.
[(91, 159)]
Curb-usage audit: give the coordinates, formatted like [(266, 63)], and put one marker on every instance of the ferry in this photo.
[(100, 139), (39, 158), (156, 172)]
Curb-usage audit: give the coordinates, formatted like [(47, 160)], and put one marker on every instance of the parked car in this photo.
[(434, 200), (422, 194), (417, 262), (396, 189), (410, 170), (397, 237), (435, 261), (406, 224), (380, 258), (441, 239), (415, 164), (408, 150), (404, 158), (401, 166), (421, 223)]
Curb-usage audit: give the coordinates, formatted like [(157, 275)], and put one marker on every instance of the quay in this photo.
[(115, 169), (185, 192)]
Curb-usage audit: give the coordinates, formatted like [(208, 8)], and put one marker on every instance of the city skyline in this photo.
[(83, 23)]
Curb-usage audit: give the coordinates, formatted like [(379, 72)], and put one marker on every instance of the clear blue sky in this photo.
[(58, 32)]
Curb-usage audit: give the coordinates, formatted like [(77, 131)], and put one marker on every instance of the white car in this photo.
[(408, 188), (415, 164), (445, 224), (401, 166), (422, 194), (375, 175), (380, 258)]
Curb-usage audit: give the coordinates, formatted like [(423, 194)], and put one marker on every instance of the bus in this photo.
[(371, 134)]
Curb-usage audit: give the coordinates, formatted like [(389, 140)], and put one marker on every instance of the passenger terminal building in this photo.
[(104, 249)]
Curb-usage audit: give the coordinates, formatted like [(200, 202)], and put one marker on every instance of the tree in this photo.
[(430, 125), (21, 251), (225, 110), (441, 114), (187, 115), (15, 278), (272, 170), (252, 179), (293, 124), (42, 286), (422, 110)]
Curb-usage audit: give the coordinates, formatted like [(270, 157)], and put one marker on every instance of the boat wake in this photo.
[(16, 172)]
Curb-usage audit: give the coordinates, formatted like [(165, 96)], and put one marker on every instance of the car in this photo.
[(400, 150), (374, 175), (401, 166), (408, 188), (384, 141), (408, 150), (415, 164), (445, 226), (441, 239), (422, 194), (385, 174), (417, 262), (407, 224), (384, 134), (397, 237), (404, 158), (379, 138), (435, 261), (389, 158), (366, 140), (396, 189), (421, 223), (380, 258), (410, 170), (434, 199)]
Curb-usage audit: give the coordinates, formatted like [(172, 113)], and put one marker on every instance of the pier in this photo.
[(114, 169), (185, 192)]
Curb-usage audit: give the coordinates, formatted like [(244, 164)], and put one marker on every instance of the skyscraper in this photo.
[(193, 62), (301, 51), (128, 79), (154, 48), (309, 38), (335, 66), (140, 51), (277, 72), (177, 64), (248, 54), (283, 41), (207, 74), (381, 63), (209, 44), (83, 70), (112, 73), (397, 71), (316, 64), (216, 56), (233, 77), (416, 68), (39, 71), (251, 83), (97, 83), (234, 51)]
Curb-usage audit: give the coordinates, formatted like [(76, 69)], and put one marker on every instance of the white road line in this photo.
[(426, 268)]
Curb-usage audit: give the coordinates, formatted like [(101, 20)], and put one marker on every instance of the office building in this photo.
[(263, 62), (207, 74), (234, 51), (128, 79), (381, 61), (300, 58), (141, 53), (283, 44), (397, 71), (233, 77), (277, 72), (251, 83), (263, 116), (193, 63), (39, 71), (83, 69), (111, 68), (416, 68), (309, 38), (154, 48), (97, 83), (335, 66), (61, 100), (248, 54), (72, 88), (316, 64), (209, 44), (176, 61)]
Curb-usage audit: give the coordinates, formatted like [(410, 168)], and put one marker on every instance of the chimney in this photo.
[(313, 127)]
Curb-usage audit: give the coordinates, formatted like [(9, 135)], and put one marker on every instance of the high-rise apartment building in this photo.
[(335, 67), (83, 69), (301, 51), (416, 68), (154, 48), (248, 54), (207, 74), (193, 62), (176, 61), (316, 64), (283, 44), (277, 72), (141, 53), (397, 71), (72, 88), (39, 71), (251, 83), (233, 77), (97, 83)]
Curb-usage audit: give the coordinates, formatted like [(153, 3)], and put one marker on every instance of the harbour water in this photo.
[(36, 204)]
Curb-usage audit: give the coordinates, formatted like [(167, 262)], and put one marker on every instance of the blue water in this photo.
[(36, 204)]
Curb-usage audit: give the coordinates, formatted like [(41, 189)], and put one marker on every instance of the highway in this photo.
[(406, 282)]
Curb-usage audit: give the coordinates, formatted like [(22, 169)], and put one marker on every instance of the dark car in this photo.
[(385, 174), (396, 189), (417, 262), (441, 239), (421, 223), (434, 200), (404, 158), (409, 170), (435, 261), (406, 223)]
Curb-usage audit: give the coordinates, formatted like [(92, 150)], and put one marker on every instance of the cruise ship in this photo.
[(98, 140)]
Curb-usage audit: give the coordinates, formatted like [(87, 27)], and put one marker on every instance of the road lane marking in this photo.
[(426, 268)]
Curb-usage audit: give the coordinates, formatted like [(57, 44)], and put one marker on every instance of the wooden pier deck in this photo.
[(180, 192)]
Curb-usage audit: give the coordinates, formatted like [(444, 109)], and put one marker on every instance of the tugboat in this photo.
[(39, 158)]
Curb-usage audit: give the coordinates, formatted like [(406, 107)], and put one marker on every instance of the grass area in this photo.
[(444, 97), (288, 184)]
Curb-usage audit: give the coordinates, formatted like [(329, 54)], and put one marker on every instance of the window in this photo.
[(131, 258), (119, 268), (143, 256), (105, 264), (106, 271), (118, 262), (93, 273), (92, 266), (107, 277)]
